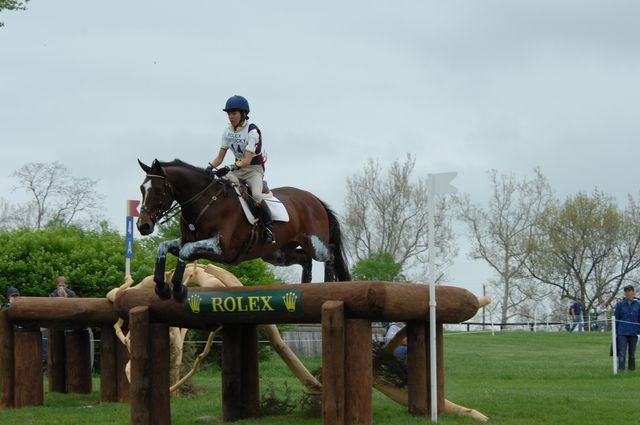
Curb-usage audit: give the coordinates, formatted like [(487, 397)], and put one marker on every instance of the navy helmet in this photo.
[(236, 103), (13, 292)]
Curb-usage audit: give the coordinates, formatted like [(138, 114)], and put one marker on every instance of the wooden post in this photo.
[(160, 398), (250, 371), (122, 358), (419, 374), (418, 368), (108, 365), (7, 365), (78, 361), (231, 373), (140, 385), (440, 367), (29, 389), (358, 377), (240, 388), (56, 361), (333, 363)]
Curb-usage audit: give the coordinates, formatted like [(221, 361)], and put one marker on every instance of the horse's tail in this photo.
[(340, 264)]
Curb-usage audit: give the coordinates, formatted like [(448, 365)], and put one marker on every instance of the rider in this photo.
[(245, 141)]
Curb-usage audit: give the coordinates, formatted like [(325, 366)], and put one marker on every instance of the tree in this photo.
[(12, 5), (56, 196), (92, 260), (500, 235), (389, 213), (587, 247), (379, 266)]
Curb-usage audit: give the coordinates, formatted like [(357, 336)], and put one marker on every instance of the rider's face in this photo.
[(234, 117)]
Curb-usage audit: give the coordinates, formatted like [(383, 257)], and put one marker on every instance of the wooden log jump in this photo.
[(345, 310), (61, 313), (68, 354), (379, 301)]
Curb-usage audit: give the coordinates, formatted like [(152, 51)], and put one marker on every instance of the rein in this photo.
[(192, 226), (176, 208)]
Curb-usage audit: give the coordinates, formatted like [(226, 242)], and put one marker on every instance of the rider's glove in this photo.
[(222, 171)]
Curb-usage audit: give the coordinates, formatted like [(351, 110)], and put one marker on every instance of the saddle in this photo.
[(276, 207), (244, 191)]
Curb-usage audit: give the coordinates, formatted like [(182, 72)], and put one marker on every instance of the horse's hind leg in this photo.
[(320, 251), (329, 272), (289, 256), (307, 268), (162, 289)]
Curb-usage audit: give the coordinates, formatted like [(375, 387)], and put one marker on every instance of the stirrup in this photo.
[(268, 236)]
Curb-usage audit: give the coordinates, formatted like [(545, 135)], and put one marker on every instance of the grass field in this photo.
[(514, 378)]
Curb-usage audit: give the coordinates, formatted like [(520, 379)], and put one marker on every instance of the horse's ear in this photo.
[(144, 166), (157, 168)]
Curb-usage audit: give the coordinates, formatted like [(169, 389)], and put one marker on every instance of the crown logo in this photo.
[(194, 303), (290, 301)]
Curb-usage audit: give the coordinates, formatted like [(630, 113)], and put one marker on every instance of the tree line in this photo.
[(541, 249)]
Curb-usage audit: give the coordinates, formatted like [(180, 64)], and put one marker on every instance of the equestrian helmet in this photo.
[(236, 103)]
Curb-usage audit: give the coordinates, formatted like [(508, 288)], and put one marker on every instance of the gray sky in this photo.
[(464, 86)]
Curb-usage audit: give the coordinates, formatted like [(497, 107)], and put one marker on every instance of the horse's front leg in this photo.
[(162, 289), (206, 248)]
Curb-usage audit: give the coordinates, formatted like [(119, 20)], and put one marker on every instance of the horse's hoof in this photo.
[(164, 292), (180, 294)]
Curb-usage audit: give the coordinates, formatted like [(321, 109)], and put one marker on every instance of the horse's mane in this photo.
[(180, 163)]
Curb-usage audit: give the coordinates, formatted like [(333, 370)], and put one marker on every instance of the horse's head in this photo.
[(157, 197)]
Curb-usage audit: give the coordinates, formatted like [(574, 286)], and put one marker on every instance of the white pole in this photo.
[(614, 346), (493, 331), (432, 298), (127, 266)]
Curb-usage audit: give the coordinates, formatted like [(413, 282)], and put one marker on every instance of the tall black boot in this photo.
[(268, 236)]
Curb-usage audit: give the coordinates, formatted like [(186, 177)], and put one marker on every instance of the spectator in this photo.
[(12, 294), (602, 318), (627, 315), (575, 311), (401, 351), (61, 288)]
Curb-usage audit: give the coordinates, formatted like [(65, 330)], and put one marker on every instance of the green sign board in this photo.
[(257, 302)]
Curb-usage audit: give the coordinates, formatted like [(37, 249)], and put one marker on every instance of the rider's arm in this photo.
[(245, 161), (218, 159), (253, 138)]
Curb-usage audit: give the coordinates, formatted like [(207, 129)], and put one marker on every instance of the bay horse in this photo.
[(213, 226)]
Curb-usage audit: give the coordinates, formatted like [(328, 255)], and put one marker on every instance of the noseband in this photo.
[(159, 212)]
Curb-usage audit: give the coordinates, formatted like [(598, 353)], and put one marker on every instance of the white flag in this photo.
[(442, 183)]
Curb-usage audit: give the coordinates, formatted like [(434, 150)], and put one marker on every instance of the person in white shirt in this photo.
[(244, 139)]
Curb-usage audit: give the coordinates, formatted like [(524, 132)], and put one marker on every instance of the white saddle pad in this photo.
[(276, 207)]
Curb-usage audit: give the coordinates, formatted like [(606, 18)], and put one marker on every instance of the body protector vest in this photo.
[(237, 143)]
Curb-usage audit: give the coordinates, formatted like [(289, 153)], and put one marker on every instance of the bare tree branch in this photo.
[(387, 212), (56, 196), (501, 234)]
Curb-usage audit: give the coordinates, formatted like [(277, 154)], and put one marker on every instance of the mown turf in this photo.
[(515, 378)]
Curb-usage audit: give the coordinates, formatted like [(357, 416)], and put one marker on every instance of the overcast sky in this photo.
[(464, 86)]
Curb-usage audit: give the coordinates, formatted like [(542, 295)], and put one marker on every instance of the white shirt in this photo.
[(241, 140)]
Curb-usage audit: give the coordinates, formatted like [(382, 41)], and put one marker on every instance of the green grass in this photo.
[(514, 378)]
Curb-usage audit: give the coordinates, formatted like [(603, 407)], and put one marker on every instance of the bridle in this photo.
[(161, 215), (157, 212)]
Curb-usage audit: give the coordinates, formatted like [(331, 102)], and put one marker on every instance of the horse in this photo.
[(213, 226)]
